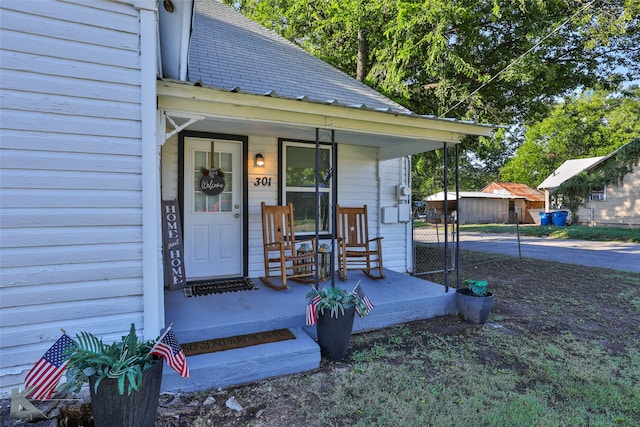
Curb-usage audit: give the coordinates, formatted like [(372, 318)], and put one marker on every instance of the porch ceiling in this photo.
[(393, 134)]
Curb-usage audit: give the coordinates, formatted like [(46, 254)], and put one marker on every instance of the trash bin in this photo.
[(545, 218), (560, 218)]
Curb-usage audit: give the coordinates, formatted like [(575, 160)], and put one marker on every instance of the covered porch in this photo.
[(247, 83), (398, 298)]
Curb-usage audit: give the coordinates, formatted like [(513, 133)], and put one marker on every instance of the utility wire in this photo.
[(520, 57)]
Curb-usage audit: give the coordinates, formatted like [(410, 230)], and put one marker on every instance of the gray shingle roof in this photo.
[(229, 51)]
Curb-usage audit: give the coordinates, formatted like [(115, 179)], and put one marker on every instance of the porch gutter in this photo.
[(153, 312), (408, 134)]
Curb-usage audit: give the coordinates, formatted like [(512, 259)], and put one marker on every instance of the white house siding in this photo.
[(268, 147), (621, 206), (70, 176), (397, 242), (361, 181), (364, 180), (358, 181)]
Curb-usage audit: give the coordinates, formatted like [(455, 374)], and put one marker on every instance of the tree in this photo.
[(496, 61), (438, 56), (592, 123), (477, 167)]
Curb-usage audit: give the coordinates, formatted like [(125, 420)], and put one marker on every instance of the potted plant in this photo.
[(332, 309), (474, 301), (124, 378)]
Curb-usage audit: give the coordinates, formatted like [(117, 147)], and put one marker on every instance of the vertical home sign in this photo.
[(174, 273)]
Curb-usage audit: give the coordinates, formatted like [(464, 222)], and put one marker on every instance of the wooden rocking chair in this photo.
[(281, 257), (355, 250)]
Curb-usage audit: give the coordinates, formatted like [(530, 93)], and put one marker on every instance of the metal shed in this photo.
[(475, 207)]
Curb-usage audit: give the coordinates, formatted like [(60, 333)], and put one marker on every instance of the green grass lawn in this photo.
[(561, 348), (580, 232), (446, 381)]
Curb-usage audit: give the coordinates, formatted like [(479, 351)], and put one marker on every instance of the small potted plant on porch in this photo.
[(124, 377), (474, 301), (332, 309)]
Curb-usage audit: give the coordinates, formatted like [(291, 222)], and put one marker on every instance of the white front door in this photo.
[(213, 223)]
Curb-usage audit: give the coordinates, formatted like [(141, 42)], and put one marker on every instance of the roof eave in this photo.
[(212, 102)]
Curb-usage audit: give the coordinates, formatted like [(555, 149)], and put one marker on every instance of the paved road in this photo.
[(616, 255)]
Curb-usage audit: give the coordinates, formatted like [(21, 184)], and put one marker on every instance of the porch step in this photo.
[(235, 313), (398, 298), (415, 300), (247, 364), (407, 308)]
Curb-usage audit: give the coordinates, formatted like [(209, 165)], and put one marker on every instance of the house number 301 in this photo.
[(265, 181)]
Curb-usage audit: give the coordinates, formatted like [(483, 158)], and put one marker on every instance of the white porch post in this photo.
[(410, 265), (153, 304), (547, 200)]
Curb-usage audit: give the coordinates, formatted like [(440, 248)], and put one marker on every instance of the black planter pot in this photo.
[(334, 333), (473, 309), (139, 409)]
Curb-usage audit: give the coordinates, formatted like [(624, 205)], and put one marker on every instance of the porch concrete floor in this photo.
[(398, 298)]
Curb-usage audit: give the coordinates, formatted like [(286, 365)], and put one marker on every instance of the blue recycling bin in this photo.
[(560, 218), (545, 218)]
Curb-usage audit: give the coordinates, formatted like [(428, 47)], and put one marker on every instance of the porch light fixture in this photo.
[(259, 160)]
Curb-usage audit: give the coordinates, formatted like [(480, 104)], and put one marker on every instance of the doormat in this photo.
[(238, 341), (207, 287)]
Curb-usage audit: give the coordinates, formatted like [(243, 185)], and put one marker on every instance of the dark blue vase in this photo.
[(334, 333), (111, 409), (472, 308)]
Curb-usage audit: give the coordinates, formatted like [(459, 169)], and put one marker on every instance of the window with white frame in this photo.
[(298, 184), (598, 193)]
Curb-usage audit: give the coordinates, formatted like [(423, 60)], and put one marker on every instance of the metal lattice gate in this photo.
[(435, 232), (430, 237)]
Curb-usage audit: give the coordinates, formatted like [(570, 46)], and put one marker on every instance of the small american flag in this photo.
[(365, 299), (312, 305), (169, 349), (45, 374)]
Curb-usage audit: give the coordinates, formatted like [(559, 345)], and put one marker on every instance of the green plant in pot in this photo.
[(335, 308), (124, 378), (474, 301)]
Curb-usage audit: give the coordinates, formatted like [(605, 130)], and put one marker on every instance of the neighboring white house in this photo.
[(567, 170), (97, 130), (614, 204)]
